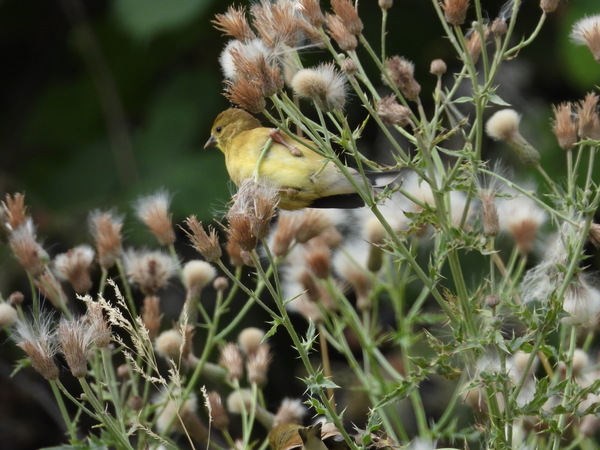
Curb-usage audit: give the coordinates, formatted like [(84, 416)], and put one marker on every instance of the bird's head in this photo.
[(229, 124)]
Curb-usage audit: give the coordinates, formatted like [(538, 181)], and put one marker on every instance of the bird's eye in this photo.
[(219, 129)]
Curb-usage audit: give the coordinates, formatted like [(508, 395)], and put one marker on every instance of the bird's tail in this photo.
[(381, 179)]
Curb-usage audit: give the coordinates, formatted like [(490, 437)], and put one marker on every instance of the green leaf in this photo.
[(463, 100), (497, 100)]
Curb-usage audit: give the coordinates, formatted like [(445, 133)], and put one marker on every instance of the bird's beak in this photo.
[(212, 142)]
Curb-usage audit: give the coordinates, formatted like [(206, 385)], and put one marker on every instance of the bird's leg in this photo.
[(275, 134)]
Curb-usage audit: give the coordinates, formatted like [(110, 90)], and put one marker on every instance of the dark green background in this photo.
[(155, 62)]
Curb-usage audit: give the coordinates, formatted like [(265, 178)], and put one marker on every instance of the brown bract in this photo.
[(234, 23), (455, 11), (564, 126)]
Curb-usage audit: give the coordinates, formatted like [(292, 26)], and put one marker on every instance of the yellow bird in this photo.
[(302, 177)]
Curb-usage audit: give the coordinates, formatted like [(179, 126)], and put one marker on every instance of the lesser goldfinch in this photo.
[(302, 177)]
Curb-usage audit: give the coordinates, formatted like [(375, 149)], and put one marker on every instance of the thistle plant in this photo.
[(455, 309)]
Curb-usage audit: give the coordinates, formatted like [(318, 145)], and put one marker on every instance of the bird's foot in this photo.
[(275, 134)]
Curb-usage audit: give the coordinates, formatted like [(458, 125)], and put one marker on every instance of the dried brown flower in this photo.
[(16, 211), (207, 244), (276, 23), (393, 113), (549, 6), (149, 270), (51, 289), (38, 341), (311, 224), (105, 227), (153, 211), (455, 11), (257, 365), (589, 120), (26, 249), (74, 267), (234, 23), (151, 315), (564, 126), (231, 358), (311, 10), (401, 73), (75, 338), (587, 32), (438, 67), (340, 34), (245, 94), (220, 418), (348, 14)]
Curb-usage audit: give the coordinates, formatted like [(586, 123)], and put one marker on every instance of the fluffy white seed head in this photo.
[(323, 84), (250, 339), (503, 125), (587, 32), (253, 49), (197, 274), (8, 315)]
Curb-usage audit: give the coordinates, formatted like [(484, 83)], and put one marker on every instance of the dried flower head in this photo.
[(587, 32), (231, 358), (16, 298), (149, 270), (589, 120), (74, 267), (438, 67), (282, 237), (401, 73), (340, 34), (75, 338), (197, 274), (26, 249), (504, 126), (346, 11), (182, 414), (318, 260), (393, 113), (15, 210), (291, 410), (151, 315), (51, 289), (250, 216), (455, 11), (594, 234), (105, 227), (549, 6), (499, 27), (278, 24), (564, 126), (323, 84), (218, 414), (169, 344), (521, 217), (386, 4), (233, 23), (582, 302), (257, 365), (311, 10), (250, 339), (245, 94), (37, 339), (153, 211), (98, 325), (8, 315), (205, 243), (476, 40), (253, 50), (311, 224)]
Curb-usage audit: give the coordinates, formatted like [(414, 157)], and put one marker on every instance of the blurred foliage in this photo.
[(63, 143), (67, 146)]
